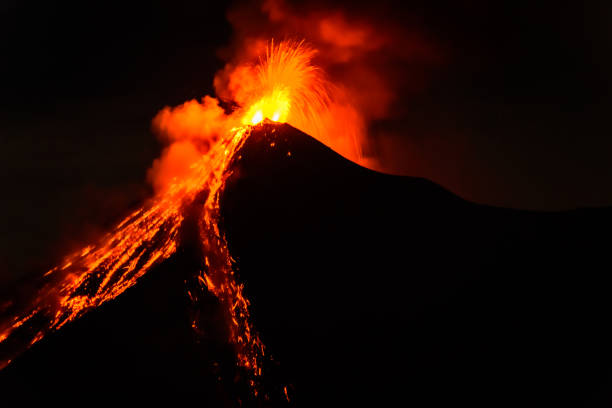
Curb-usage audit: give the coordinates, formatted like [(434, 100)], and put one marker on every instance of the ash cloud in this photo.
[(372, 61), (364, 58), (500, 103)]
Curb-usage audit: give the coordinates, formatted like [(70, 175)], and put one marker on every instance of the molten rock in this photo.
[(365, 288)]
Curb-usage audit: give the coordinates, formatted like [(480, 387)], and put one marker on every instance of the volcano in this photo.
[(366, 288)]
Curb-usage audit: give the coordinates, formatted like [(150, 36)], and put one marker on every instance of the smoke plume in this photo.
[(353, 72)]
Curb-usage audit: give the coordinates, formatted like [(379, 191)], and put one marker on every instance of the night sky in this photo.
[(514, 115)]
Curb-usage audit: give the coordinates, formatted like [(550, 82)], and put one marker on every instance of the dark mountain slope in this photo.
[(366, 288), (370, 287)]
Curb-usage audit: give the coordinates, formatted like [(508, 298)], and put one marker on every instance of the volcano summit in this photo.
[(363, 287)]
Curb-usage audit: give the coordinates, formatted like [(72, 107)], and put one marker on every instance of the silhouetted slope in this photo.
[(366, 288), (138, 348), (373, 288)]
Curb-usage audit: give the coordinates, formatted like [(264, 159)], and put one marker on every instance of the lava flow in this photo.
[(101, 272), (284, 86)]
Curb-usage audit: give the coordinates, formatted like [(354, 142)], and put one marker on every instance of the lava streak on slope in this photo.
[(101, 272), (282, 86)]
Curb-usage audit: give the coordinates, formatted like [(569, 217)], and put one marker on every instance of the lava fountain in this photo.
[(283, 85)]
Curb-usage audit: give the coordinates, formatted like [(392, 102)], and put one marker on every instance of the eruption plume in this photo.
[(282, 85), (287, 87)]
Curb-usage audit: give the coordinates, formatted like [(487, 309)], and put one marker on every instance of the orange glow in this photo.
[(284, 86), (100, 272), (274, 107)]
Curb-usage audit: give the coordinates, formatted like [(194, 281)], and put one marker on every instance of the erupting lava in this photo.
[(283, 86), (289, 88)]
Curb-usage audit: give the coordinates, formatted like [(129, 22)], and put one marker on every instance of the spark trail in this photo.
[(100, 272)]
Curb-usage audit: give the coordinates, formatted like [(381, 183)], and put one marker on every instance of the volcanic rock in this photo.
[(372, 289), (366, 288)]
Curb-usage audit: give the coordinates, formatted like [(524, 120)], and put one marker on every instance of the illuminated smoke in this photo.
[(328, 86), (283, 85), (372, 61)]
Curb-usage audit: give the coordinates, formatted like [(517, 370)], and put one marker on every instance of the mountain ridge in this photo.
[(364, 287)]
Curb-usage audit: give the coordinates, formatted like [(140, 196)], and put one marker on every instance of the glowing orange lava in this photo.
[(101, 272), (283, 86)]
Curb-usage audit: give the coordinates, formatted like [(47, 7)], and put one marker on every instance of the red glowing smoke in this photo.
[(358, 59)]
